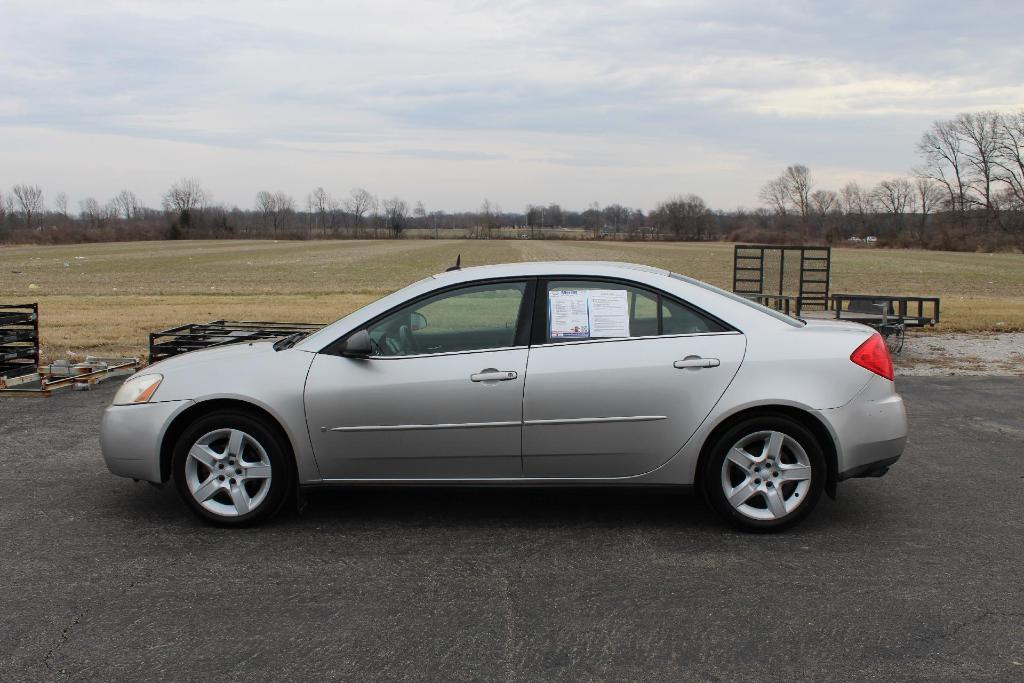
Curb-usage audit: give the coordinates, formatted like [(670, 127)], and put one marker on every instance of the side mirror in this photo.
[(358, 345), (417, 321)]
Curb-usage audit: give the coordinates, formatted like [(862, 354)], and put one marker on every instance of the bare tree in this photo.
[(635, 224), (436, 219), (553, 215), (857, 204), (186, 195), (945, 163), (929, 195), (275, 207), (396, 211), (980, 134), (1009, 158), (60, 203), (265, 205), (488, 218), (616, 216), (823, 202), (91, 211), (420, 214), (798, 183), (593, 220), (185, 198), (682, 217), (774, 194), (125, 204), (30, 201), (321, 202), (896, 196), (358, 204), (6, 209)]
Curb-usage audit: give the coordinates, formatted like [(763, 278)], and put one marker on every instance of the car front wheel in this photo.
[(765, 473), (231, 470)]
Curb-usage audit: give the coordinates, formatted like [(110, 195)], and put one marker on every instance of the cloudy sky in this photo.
[(516, 101)]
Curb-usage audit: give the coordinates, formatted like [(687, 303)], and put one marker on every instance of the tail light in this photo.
[(873, 355)]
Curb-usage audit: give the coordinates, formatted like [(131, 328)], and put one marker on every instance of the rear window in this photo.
[(789, 320)]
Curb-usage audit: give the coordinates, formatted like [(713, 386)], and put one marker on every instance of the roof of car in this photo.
[(548, 268)]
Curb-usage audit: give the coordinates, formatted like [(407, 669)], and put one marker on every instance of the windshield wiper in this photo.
[(289, 341)]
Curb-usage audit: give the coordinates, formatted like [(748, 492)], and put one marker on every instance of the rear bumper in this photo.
[(131, 436), (870, 431)]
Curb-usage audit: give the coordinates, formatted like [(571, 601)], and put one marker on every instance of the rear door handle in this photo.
[(697, 362), (492, 375)]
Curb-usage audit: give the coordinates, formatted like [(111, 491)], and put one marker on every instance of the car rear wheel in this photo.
[(765, 473), (231, 470)]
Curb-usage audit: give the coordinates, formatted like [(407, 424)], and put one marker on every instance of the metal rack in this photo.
[(761, 273), (19, 340), (872, 309), (890, 315), (193, 336)]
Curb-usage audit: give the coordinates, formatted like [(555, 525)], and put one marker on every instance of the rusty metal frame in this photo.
[(193, 336), (47, 386), (19, 340)]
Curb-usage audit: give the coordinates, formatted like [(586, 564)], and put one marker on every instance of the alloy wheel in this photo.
[(228, 472), (766, 475)]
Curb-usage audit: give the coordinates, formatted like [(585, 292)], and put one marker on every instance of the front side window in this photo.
[(466, 319), (588, 309)]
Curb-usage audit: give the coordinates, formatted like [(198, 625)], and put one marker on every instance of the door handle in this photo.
[(492, 375), (697, 362)]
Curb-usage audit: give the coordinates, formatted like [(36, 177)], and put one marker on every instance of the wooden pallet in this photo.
[(49, 382)]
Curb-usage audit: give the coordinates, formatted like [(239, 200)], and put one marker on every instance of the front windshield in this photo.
[(789, 320), (330, 332)]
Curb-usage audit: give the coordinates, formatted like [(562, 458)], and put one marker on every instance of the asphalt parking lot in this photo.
[(913, 576)]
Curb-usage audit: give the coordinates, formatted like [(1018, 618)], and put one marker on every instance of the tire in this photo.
[(764, 474), (231, 469)]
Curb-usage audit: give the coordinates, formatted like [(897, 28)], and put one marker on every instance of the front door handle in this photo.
[(696, 362), (492, 375)]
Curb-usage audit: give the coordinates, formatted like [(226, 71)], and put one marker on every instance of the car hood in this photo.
[(218, 355), (248, 371)]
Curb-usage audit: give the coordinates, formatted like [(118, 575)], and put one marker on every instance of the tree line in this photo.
[(967, 193)]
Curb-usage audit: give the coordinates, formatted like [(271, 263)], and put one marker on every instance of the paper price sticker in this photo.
[(568, 314), (609, 312), (588, 313)]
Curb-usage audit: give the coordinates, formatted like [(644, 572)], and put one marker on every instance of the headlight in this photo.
[(137, 390)]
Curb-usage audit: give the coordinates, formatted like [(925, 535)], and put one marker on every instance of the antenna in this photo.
[(457, 266)]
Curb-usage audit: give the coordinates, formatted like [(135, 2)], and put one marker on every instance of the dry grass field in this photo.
[(104, 299)]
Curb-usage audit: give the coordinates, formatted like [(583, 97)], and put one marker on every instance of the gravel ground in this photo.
[(962, 354)]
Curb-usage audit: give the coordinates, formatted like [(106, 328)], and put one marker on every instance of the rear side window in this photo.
[(677, 318), (590, 309)]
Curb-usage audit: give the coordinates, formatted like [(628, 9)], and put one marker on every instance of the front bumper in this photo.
[(870, 431), (131, 436)]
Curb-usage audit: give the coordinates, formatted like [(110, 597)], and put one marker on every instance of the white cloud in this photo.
[(452, 101)]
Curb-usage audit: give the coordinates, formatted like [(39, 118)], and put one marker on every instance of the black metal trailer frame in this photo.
[(750, 276), (19, 340), (874, 309), (193, 336)]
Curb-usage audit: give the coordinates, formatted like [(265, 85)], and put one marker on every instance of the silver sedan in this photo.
[(523, 374)]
